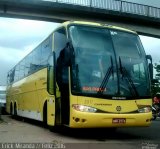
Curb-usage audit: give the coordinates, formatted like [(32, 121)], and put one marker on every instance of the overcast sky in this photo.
[(18, 37)]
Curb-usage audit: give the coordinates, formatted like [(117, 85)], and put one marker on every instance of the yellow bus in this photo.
[(84, 75)]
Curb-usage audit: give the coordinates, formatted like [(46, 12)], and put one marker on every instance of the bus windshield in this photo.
[(109, 63)]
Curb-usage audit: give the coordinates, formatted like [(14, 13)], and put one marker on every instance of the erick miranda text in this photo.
[(32, 145)]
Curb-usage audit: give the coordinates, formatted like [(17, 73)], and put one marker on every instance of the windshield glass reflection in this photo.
[(97, 53)]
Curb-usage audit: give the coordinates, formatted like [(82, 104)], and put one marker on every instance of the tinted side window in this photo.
[(59, 41), (21, 69), (46, 50), (16, 76), (35, 60)]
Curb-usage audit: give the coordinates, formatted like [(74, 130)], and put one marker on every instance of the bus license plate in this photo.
[(118, 120)]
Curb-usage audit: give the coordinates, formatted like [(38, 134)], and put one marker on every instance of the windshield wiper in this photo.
[(124, 73), (106, 78)]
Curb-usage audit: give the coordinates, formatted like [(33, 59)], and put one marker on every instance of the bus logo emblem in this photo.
[(118, 108)]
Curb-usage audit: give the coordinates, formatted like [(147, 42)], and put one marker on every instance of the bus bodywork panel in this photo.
[(110, 113), (29, 94)]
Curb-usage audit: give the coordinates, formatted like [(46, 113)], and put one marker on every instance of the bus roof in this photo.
[(97, 24)]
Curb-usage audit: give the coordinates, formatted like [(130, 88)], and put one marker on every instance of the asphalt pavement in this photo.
[(30, 131)]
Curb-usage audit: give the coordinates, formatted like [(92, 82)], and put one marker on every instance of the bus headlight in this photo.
[(83, 108), (145, 109)]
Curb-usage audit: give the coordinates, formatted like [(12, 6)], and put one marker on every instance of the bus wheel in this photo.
[(45, 115), (56, 128), (15, 110), (11, 109)]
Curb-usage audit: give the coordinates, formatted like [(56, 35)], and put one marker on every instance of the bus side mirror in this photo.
[(50, 80), (51, 75), (149, 57), (150, 65)]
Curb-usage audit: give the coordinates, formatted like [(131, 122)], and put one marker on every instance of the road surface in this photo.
[(29, 131)]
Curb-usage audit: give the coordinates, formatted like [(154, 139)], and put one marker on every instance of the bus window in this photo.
[(46, 50), (59, 41)]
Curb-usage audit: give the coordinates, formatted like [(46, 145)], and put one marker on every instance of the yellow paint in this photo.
[(108, 112), (51, 111), (30, 93), (98, 25)]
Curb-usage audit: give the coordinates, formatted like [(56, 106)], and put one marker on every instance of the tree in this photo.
[(156, 81), (157, 67)]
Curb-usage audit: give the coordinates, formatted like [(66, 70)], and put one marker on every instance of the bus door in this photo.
[(62, 78)]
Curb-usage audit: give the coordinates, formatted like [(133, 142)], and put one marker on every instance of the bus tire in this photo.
[(55, 128), (45, 114), (11, 109), (15, 110)]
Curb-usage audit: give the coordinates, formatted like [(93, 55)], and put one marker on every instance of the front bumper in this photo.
[(103, 120)]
